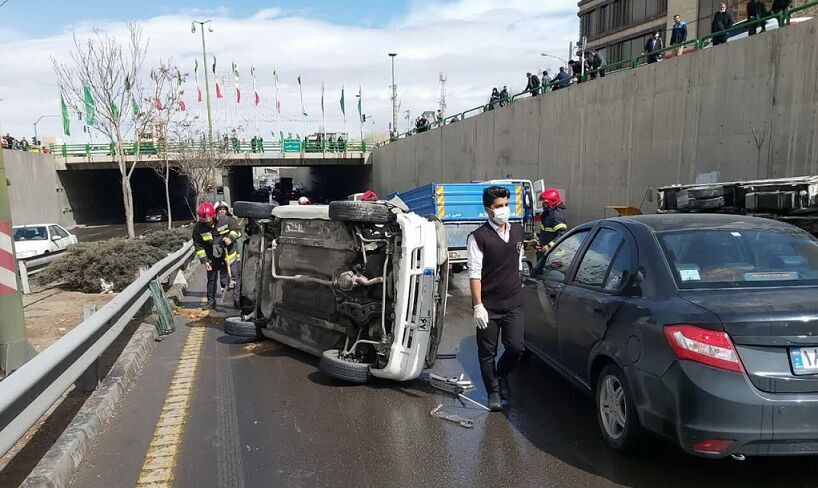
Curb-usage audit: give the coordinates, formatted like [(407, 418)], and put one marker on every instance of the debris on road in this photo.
[(441, 414), (454, 385)]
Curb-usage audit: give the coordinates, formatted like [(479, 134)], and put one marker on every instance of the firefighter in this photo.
[(229, 231), (208, 250), (552, 222)]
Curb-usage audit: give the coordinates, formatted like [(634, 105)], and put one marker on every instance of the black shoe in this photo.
[(205, 306), (211, 305), (495, 403), (505, 390)]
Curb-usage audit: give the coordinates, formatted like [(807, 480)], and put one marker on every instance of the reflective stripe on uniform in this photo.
[(232, 257), (223, 229), (207, 236), (235, 234), (201, 252), (556, 228)]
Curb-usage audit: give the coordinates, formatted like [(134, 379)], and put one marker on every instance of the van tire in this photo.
[(253, 210), (362, 212)]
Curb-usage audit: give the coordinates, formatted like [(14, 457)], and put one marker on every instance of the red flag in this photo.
[(258, 99), (200, 94), (158, 104), (238, 95), (218, 91), (182, 106)]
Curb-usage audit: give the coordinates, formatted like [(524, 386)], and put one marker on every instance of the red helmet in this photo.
[(551, 197), (206, 210), (369, 196)]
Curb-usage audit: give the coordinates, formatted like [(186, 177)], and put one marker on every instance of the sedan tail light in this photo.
[(710, 347)]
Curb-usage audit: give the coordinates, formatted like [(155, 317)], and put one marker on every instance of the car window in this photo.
[(594, 265), (60, 231), (30, 234), (621, 264), (731, 258), (557, 263)]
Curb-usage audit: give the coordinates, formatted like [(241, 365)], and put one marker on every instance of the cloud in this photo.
[(480, 44)]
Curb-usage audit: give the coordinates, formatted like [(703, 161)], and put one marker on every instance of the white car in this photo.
[(40, 239), (362, 285)]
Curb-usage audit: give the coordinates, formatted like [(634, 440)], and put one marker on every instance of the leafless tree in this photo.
[(163, 109), (200, 164), (105, 67)]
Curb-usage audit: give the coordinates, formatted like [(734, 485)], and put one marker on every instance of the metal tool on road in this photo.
[(464, 422), (457, 386)]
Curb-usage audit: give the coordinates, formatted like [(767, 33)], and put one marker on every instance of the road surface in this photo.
[(263, 415), (100, 232)]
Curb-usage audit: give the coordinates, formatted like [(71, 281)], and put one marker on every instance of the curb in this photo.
[(61, 461)]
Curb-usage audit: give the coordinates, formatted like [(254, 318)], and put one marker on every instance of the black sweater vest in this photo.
[(501, 285)]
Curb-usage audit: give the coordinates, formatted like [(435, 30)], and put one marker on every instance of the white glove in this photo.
[(481, 317)]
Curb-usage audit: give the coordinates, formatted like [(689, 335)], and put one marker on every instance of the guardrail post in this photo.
[(90, 378), (24, 276)]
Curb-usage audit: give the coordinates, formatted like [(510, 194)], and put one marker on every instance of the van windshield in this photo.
[(738, 258), (30, 234)]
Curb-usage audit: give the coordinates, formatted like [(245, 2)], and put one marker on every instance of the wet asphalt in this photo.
[(263, 415)]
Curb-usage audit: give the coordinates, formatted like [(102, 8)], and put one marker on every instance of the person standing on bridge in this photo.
[(653, 46), (678, 34), (722, 20), (495, 258)]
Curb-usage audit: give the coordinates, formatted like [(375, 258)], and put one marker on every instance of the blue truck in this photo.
[(460, 207)]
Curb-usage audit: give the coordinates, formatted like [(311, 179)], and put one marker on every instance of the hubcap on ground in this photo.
[(612, 407)]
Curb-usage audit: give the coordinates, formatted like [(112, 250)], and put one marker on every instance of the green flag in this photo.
[(322, 98), (66, 120), (90, 105), (114, 110), (343, 105), (134, 106), (281, 133)]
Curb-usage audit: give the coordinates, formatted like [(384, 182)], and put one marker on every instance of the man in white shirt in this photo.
[(495, 259)]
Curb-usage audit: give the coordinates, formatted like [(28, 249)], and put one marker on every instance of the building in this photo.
[(620, 28)]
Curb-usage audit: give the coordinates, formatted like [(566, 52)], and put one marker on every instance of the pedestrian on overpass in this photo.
[(722, 20), (552, 221), (756, 10), (653, 46), (678, 34), (495, 254), (209, 251)]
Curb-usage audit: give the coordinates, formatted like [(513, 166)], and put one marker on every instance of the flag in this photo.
[(360, 105), (66, 120), (301, 96), (278, 102), (236, 81), (134, 106), (281, 133), (158, 104), (182, 106), (343, 104), (196, 74), (90, 105), (255, 89), (115, 110), (218, 88), (128, 88), (322, 99)]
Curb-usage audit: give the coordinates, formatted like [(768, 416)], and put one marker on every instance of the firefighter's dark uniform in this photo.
[(208, 250), (552, 226), (228, 226)]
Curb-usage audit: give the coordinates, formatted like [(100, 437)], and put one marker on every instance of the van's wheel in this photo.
[(253, 210), (615, 410), (242, 331), (343, 369), (363, 212)]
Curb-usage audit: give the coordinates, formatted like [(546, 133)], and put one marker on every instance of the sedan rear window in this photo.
[(30, 234), (736, 258)]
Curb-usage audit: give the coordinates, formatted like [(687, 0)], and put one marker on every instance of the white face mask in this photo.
[(502, 214)]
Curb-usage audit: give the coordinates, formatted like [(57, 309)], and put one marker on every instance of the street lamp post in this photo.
[(36, 137), (394, 97), (207, 78)]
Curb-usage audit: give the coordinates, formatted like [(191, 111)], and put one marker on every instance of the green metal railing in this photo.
[(783, 18), (288, 146)]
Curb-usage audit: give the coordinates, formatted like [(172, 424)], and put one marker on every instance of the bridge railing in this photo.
[(289, 146), (783, 18)]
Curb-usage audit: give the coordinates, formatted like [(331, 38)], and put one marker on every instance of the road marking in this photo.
[(163, 452)]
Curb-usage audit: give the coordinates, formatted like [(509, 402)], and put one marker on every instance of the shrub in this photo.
[(114, 260)]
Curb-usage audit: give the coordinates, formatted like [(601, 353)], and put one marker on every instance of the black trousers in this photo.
[(217, 275), (511, 325)]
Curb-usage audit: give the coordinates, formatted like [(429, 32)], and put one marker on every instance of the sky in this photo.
[(478, 44)]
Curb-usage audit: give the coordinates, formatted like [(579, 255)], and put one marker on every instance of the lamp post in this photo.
[(207, 78), (36, 137), (563, 60), (394, 98)]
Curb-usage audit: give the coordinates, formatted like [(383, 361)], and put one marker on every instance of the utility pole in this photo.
[(38, 121), (207, 78), (14, 347), (394, 131), (442, 101)]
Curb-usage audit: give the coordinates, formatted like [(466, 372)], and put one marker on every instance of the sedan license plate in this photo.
[(804, 360)]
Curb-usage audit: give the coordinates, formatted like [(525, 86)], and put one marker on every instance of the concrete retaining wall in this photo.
[(36, 194), (741, 111)]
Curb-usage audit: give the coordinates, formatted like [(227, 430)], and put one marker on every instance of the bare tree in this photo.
[(199, 163), (163, 109), (97, 82)]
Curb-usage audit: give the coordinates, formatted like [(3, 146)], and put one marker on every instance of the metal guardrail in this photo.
[(150, 148), (29, 392), (30, 267)]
